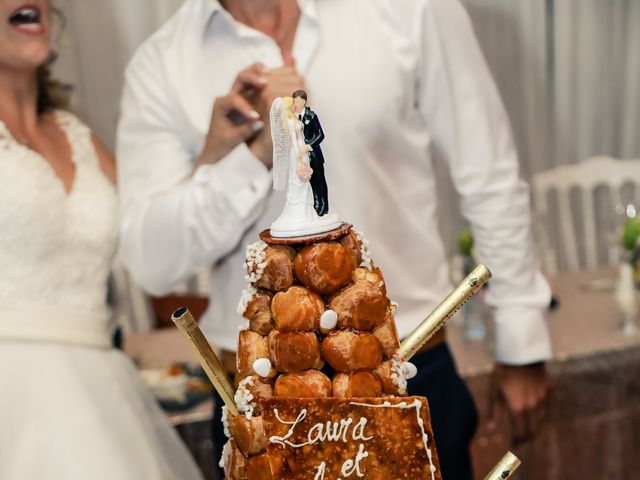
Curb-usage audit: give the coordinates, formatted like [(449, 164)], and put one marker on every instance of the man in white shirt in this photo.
[(390, 79)]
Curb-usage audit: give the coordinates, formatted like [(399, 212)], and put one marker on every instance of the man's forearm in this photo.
[(198, 220)]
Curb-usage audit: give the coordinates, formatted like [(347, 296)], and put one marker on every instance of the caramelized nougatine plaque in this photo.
[(390, 431)]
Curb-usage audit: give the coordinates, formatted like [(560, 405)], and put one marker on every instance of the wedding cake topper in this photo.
[(298, 168)]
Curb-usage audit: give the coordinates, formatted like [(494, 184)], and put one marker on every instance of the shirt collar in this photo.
[(213, 7)]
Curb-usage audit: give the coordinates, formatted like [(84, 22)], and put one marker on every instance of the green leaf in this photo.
[(465, 242), (630, 234)]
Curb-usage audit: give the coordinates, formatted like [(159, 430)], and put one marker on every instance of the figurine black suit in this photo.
[(313, 135)]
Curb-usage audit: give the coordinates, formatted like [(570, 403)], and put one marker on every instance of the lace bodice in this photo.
[(55, 248)]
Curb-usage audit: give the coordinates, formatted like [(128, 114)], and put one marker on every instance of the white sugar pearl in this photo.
[(328, 320), (409, 370), (262, 366)]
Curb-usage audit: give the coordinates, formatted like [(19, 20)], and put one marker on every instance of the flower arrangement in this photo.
[(630, 234), (630, 240), (475, 313), (465, 242), (466, 250)]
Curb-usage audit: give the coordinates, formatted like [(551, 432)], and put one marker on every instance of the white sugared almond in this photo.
[(409, 370), (262, 366), (328, 320)]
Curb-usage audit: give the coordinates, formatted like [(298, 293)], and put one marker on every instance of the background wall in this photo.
[(95, 45), (568, 71)]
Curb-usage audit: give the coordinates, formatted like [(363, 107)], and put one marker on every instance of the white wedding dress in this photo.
[(298, 217), (72, 407), (298, 208)]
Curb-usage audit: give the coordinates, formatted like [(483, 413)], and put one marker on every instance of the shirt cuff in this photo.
[(240, 176), (522, 336)]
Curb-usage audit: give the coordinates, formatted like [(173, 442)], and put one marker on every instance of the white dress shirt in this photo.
[(388, 79)]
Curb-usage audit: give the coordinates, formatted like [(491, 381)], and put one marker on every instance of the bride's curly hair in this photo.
[(52, 94)]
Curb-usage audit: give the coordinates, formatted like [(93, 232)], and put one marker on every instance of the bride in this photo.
[(291, 170), (72, 407)]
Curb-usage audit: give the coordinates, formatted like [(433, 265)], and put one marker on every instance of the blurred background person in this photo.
[(73, 407), (390, 81)]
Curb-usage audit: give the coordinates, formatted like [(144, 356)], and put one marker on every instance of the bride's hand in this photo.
[(304, 172), (307, 148)]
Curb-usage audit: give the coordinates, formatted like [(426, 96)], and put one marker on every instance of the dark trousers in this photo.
[(319, 187), (453, 413)]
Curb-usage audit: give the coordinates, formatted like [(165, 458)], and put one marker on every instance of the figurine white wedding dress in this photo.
[(72, 407), (298, 216)]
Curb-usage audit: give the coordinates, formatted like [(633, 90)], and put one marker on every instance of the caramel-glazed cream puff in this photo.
[(307, 384), (358, 384), (258, 313), (294, 351), (278, 270), (361, 306), (348, 351), (324, 267), (297, 309)]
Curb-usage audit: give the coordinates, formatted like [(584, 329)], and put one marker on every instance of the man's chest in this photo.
[(358, 79)]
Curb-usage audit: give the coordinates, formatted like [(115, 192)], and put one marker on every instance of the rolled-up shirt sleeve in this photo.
[(470, 128), (175, 221)]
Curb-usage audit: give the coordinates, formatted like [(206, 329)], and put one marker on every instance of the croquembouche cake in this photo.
[(320, 389), (321, 392)]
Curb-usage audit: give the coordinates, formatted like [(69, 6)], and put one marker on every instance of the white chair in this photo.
[(576, 232)]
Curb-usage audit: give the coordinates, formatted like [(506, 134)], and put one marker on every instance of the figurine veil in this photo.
[(278, 117), (291, 172)]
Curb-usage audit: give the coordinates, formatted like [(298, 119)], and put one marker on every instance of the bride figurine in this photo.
[(291, 171)]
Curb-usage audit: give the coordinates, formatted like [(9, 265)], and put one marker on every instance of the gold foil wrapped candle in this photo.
[(210, 363), (505, 467), (443, 312)]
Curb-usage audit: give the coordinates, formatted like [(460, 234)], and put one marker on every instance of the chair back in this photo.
[(577, 230)]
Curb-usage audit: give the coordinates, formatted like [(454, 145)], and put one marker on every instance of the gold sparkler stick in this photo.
[(504, 468), (443, 312), (207, 357)]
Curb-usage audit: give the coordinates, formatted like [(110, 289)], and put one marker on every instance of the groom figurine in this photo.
[(313, 135)]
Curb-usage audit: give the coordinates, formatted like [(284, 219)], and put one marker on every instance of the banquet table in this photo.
[(592, 429), (593, 421)]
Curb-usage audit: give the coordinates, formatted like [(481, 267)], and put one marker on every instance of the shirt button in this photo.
[(253, 187)]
